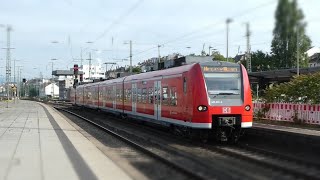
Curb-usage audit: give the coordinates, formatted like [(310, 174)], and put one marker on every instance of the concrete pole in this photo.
[(8, 64), (130, 56), (227, 23), (298, 64), (89, 65), (52, 85), (248, 54)]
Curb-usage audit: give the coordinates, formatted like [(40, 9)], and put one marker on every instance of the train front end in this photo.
[(229, 99)]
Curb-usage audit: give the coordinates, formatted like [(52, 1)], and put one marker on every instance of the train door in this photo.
[(134, 98), (104, 96), (157, 99), (114, 96)]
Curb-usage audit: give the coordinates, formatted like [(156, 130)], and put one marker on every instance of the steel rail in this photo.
[(177, 167)]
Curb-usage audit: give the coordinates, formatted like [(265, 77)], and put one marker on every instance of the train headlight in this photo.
[(247, 107), (202, 108)]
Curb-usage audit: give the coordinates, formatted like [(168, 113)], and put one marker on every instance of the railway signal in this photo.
[(75, 72)]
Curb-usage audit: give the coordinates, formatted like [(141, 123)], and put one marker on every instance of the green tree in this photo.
[(136, 69), (217, 56), (261, 61), (302, 89), (33, 91), (289, 24)]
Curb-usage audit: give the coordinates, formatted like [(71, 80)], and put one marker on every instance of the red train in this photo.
[(211, 98)]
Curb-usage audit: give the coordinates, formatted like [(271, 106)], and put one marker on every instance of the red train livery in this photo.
[(211, 98)]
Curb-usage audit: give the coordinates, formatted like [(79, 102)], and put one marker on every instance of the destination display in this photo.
[(207, 69)]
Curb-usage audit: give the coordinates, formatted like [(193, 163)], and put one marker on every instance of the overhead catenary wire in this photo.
[(235, 16), (117, 21)]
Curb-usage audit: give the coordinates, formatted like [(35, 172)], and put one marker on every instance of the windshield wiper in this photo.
[(224, 93), (227, 93)]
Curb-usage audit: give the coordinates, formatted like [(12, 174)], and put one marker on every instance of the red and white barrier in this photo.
[(310, 114)]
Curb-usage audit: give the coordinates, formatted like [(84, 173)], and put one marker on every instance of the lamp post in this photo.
[(130, 55), (209, 50), (298, 64), (228, 21), (188, 47), (20, 71), (52, 83), (38, 83), (18, 83)]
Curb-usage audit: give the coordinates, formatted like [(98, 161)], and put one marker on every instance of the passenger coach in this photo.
[(212, 98)]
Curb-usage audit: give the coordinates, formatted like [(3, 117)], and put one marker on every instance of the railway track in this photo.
[(141, 148), (276, 162)]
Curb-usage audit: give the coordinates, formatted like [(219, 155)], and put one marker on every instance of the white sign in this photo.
[(226, 110)]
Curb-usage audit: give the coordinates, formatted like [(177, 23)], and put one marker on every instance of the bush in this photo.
[(301, 89)]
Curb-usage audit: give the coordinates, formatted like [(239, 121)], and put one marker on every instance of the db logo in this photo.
[(226, 110)]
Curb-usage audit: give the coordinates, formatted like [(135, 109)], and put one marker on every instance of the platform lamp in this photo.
[(228, 21), (52, 83)]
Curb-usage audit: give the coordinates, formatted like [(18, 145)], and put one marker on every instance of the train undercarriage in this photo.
[(224, 129)]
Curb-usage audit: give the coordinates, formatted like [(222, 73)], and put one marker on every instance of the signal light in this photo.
[(247, 107), (75, 69), (81, 77)]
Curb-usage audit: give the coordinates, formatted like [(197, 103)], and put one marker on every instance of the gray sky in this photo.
[(175, 23)]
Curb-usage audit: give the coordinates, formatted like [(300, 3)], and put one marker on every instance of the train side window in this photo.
[(165, 95), (114, 94), (125, 96), (109, 95), (144, 95), (129, 94), (173, 96), (134, 94), (139, 95), (117, 94), (150, 95), (185, 85)]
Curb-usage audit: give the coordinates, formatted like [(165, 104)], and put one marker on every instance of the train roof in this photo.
[(165, 72)]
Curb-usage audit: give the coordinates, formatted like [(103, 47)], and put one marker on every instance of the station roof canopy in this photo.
[(64, 72), (282, 75)]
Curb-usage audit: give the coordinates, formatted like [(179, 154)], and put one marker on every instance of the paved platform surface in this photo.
[(36, 142), (301, 131)]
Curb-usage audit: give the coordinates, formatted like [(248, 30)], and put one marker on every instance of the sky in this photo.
[(59, 29)]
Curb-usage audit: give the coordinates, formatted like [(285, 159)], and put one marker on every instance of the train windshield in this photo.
[(223, 83)]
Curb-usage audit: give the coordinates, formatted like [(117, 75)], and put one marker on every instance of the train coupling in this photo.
[(227, 121)]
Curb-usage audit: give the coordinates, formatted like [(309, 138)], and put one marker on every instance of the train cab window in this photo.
[(173, 96), (185, 85), (165, 95), (150, 98), (144, 95)]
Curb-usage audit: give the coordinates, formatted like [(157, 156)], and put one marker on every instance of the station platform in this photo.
[(287, 129), (36, 142)]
